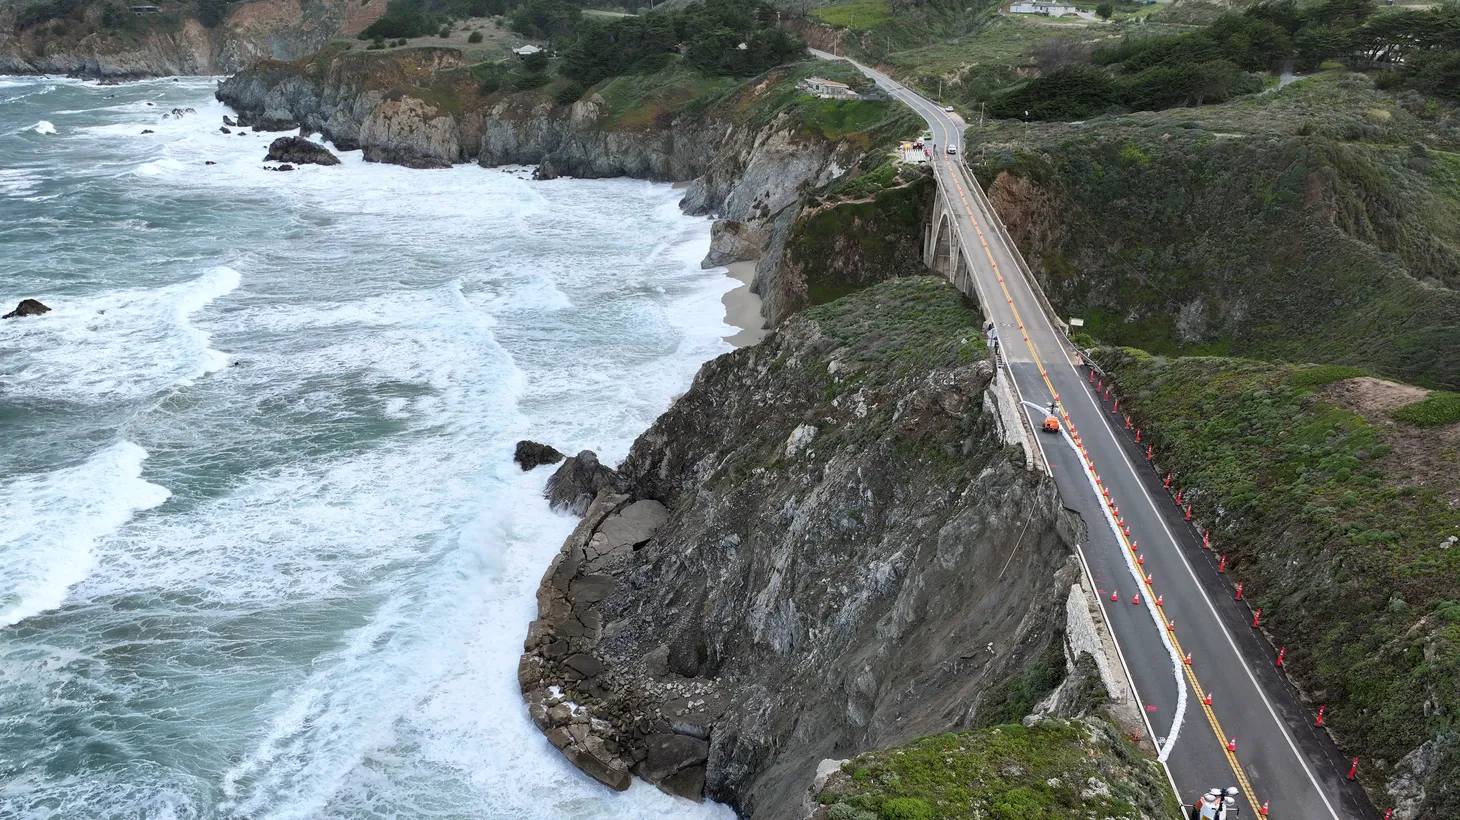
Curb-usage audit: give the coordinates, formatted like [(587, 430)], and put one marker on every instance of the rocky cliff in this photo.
[(824, 548), (92, 40), (751, 156)]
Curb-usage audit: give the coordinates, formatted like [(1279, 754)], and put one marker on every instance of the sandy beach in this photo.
[(742, 308)]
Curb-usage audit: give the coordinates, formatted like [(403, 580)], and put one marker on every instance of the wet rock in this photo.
[(530, 454), (300, 151), (580, 478), (27, 307), (209, 162), (285, 167), (148, 130), (224, 129), (545, 170), (227, 120)]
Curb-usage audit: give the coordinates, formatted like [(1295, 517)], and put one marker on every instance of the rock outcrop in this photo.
[(581, 478), (733, 241), (27, 307), (253, 31), (530, 455), (817, 551), (300, 151)]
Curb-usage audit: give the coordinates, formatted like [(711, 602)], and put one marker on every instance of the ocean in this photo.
[(263, 551)]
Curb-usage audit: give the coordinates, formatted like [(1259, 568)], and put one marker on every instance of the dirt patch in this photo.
[(1426, 457)]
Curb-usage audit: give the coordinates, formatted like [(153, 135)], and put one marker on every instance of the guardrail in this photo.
[(992, 218)]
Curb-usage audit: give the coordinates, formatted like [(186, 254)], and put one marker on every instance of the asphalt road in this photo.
[(1278, 759)]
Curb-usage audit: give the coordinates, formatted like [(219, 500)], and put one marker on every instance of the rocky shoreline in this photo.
[(752, 176)]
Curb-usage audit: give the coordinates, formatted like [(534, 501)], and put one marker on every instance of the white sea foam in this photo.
[(18, 182), (52, 521), (44, 127), (350, 559), (115, 345)]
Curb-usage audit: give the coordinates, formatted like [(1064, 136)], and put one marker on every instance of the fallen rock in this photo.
[(530, 454), (300, 151), (545, 170), (209, 162), (148, 130), (27, 307), (224, 129), (285, 167), (227, 120)]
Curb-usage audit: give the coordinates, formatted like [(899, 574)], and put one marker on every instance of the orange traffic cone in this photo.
[(1137, 599), (1188, 659), (1232, 745), (1158, 597), (1208, 699)]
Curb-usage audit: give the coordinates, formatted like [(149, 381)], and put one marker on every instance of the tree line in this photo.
[(1418, 49)]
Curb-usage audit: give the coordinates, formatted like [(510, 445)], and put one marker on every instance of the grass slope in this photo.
[(1318, 223), (1053, 769)]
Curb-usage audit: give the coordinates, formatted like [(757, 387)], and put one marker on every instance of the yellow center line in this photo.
[(1190, 673)]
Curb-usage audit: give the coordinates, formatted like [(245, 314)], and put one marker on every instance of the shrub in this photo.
[(906, 808), (569, 93), (444, 32), (1439, 407), (1105, 10), (474, 37)]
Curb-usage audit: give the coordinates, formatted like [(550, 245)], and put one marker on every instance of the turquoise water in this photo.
[(263, 553)]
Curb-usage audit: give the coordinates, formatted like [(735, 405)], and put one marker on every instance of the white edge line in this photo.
[(1158, 620), (1181, 553)]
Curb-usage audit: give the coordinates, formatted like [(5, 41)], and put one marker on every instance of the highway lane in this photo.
[(1268, 764)]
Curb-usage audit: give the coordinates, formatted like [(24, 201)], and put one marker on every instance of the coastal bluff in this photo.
[(823, 548)]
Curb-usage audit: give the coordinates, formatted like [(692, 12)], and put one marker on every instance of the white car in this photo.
[(948, 108), (952, 149)]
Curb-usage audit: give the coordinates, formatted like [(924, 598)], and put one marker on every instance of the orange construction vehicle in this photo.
[(1051, 424)]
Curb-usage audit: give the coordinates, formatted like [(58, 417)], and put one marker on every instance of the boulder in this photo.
[(545, 170), (676, 763), (573, 487), (300, 151), (224, 129), (530, 454), (27, 307), (148, 130), (227, 120)]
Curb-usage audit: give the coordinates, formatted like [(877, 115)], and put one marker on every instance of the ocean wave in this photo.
[(44, 127), (116, 345), (54, 519)]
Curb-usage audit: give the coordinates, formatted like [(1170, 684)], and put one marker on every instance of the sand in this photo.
[(742, 308)]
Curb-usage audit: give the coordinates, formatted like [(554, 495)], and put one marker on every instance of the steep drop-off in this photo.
[(98, 40), (1318, 223), (824, 548)]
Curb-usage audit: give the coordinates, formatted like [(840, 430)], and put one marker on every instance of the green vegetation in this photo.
[(903, 327), (1434, 410), (844, 246), (1294, 225), (856, 14), (1055, 769), (711, 33), (1338, 525)]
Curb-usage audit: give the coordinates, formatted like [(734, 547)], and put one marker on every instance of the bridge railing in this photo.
[(992, 218)]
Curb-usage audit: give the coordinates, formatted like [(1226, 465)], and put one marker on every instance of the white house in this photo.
[(829, 89), (1048, 9), (526, 50)]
